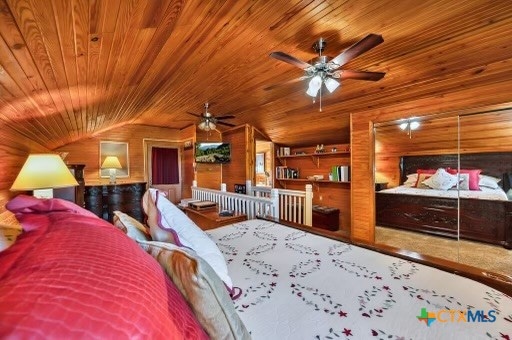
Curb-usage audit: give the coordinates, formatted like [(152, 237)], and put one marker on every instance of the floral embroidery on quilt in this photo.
[(435, 299), (302, 249), (256, 294), (265, 236), (355, 269), (227, 249), (383, 335), (403, 270), (260, 267), (317, 300), (232, 236), (305, 267), (263, 226), (346, 333), (262, 248), (295, 236), (375, 301), (339, 249), (493, 298)]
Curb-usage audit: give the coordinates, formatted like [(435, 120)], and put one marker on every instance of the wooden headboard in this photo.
[(496, 164)]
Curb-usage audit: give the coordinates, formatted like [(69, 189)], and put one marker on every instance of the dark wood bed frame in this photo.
[(480, 220)]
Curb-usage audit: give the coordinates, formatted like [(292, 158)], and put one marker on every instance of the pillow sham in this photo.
[(489, 181), (441, 180), (169, 224), (130, 226), (411, 180), (423, 174), (473, 176), (201, 287)]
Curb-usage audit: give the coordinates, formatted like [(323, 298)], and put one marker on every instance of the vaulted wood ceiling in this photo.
[(73, 68)]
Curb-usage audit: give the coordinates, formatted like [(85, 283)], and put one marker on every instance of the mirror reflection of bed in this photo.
[(471, 225), (263, 163)]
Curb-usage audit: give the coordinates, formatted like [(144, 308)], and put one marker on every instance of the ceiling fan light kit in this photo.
[(325, 70), (208, 121)]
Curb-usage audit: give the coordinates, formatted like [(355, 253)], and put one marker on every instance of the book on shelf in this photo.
[(285, 172), (284, 151), (340, 173)]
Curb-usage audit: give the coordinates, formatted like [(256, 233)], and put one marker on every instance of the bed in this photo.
[(484, 216), (297, 285), (73, 275)]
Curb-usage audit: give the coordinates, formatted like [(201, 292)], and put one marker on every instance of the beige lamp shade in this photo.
[(111, 162), (43, 171)]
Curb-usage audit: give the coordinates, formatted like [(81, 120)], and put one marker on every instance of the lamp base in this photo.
[(112, 176), (43, 193)]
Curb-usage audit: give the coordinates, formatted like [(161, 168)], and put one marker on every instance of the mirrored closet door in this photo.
[(441, 187)]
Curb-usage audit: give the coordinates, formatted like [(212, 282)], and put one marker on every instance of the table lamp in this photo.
[(112, 164), (42, 173)]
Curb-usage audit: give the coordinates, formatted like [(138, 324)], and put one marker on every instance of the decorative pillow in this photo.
[(441, 180), (131, 227), (426, 174), (8, 235), (169, 224), (473, 176), (489, 181), (419, 182), (411, 180), (201, 287), (463, 182)]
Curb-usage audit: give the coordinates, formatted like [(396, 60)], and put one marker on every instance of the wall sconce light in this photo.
[(42, 173), (112, 164)]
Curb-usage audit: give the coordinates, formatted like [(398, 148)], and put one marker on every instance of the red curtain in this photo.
[(164, 166)]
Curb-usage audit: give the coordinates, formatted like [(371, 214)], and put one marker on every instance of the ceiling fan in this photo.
[(208, 121), (325, 70)]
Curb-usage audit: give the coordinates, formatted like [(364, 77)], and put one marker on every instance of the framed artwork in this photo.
[(119, 150), (260, 163)]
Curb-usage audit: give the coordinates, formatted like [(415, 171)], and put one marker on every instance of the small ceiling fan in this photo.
[(208, 121), (325, 70)]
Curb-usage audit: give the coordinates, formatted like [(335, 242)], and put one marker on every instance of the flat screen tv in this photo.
[(209, 152)]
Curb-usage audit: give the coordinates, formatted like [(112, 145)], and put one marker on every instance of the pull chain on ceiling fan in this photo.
[(208, 121), (323, 70)]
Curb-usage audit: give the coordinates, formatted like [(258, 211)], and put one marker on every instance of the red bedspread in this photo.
[(72, 274)]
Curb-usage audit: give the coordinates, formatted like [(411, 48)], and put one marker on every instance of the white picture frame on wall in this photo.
[(118, 149)]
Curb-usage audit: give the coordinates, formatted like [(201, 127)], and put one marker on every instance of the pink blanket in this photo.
[(71, 274)]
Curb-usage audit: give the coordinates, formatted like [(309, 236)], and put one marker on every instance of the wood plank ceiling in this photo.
[(73, 68)]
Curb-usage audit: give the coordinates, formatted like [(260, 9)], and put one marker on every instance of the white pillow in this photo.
[(463, 182), (488, 181), (441, 180), (171, 220)]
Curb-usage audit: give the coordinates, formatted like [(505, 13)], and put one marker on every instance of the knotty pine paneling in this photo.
[(86, 151), (14, 150), (242, 165), (208, 175)]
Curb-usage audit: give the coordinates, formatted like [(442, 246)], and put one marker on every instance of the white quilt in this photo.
[(483, 194), (298, 285)]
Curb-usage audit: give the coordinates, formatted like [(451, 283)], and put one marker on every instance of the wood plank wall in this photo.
[(86, 151), (14, 149), (208, 175), (241, 166)]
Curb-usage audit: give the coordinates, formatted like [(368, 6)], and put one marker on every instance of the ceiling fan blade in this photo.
[(363, 45), (224, 117), (290, 60), (194, 114), (361, 75), (226, 124)]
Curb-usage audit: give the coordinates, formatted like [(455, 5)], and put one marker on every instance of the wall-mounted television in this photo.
[(213, 152)]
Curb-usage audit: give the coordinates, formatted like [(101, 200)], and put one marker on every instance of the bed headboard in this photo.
[(497, 164)]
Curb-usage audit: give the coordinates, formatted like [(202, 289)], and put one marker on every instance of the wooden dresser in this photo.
[(104, 199)]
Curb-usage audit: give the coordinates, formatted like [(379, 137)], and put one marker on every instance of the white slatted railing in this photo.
[(244, 204), (294, 205), (288, 205)]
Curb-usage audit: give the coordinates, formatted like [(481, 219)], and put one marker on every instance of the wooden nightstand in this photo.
[(210, 219)]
